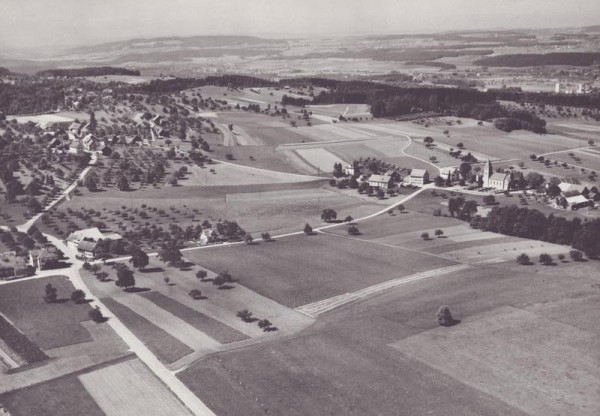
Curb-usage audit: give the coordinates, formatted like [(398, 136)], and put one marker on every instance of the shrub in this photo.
[(353, 230), (561, 257), (245, 315), (576, 255), (195, 294), (444, 317), (425, 236)]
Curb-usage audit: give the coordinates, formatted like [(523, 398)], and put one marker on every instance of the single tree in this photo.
[(219, 281), (201, 274), (561, 257), (125, 278), (167, 280), (245, 315), (51, 294), (425, 236), (523, 259), (139, 259), (438, 233), (248, 239), (545, 259), (266, 236), (264, 324), (428, 141), (348, 219), (308, 229), (328, 214), (439, 181), (195, 294), (96, 315), (444, 317), (78, 296), (353, 230), (401, 208), (576, 255), (489, 200)]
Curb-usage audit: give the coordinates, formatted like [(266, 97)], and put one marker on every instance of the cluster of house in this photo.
[(85, 241), (14, 266), (77, 138), (574, 196), (388, 180)]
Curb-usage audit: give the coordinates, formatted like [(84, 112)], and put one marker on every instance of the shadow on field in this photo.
[(152, 270), (137, 289)]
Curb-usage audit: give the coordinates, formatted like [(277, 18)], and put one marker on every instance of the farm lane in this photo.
[(27, 225)]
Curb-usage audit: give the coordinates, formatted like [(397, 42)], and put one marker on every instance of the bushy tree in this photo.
[(353, 230), (444, 317), (308, 229), (523, 259), (425, 236), (139, 258), (50, 294), (328, 214), (576, 255), (96, 315), (78, 296), (546, 259), (125, 278)]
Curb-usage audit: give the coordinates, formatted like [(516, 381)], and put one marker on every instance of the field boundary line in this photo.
[(320, 307)]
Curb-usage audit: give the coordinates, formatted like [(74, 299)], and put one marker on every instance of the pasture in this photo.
[(166, 347), (202, 325), (129, 388), (48, 325), (361, 343), (533, 363), (64, 396), (307, 275)]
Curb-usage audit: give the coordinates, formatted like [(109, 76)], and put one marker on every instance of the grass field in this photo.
[(129, 388), (519, 357), (308, 275), (166, 347), (49, 325), (64, 396), (347, 363), (213, 328)]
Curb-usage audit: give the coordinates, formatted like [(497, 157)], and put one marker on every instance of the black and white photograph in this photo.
[(299, 208)]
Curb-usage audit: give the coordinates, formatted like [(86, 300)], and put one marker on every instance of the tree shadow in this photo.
[(62, 300), (157, 269), (451, 322), (171, 284), (226, 287), (200, 297), (271, 329), (137, 289)]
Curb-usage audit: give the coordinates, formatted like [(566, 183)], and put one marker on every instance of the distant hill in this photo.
[(4, 71), (555, 58), (174, 42), (88, 72)]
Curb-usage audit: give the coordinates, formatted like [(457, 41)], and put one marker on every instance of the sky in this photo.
[(29, 23)]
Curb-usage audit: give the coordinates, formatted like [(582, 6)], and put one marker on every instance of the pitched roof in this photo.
[(579, 199), (380, 178), (569, 187), (78, 236), (418, 172), (86, 246), (499, 176)]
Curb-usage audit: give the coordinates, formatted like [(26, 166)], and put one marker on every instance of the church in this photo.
[(495, 180)]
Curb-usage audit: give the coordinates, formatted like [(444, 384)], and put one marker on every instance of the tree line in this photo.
[(533, 224), (87, 72)]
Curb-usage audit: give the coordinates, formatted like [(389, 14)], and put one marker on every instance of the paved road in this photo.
[(189, 399)]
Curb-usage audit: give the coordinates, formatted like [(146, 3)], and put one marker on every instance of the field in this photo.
[(354, 355), (299, 281), (518, 357), (65, 396), (129, 388), (49, 325), (166, 347), (276, 208), (213, 328)]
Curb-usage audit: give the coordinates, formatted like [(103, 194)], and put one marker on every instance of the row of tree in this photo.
[(533, 224)]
